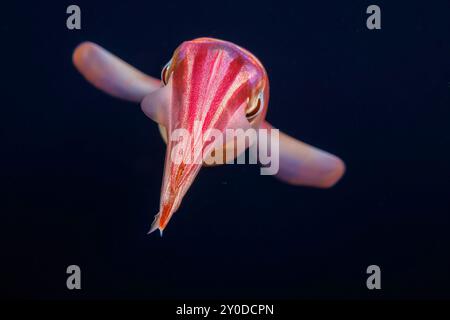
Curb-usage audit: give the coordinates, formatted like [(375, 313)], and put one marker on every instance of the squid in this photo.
[(216, 85)]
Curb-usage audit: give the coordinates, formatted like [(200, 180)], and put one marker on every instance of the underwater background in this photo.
[(81, 171)]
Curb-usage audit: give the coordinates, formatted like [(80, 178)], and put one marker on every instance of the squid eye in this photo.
[(255, 108), (165, 73)]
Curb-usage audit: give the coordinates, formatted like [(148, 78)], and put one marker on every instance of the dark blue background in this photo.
[(80, 171)]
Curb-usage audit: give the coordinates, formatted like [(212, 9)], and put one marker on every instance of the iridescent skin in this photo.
[(213, 83)]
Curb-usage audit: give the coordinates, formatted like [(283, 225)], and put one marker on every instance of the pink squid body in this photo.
[(211, 84)]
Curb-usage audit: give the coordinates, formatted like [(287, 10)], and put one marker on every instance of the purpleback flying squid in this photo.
[(208, 86)]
